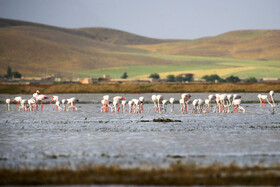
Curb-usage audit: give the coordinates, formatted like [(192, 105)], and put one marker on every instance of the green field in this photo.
[(263, 68)]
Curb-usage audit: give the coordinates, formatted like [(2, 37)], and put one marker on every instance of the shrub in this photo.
[(154, 76)]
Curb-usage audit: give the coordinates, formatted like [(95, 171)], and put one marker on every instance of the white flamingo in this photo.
[(186, 97), (164, 104), (124, 102), (159, 100), (18, 100), (130, 106), (116, 106), (264, 98), (200, 105), (8, 102), (72, 102), (23, 105), (207, 103), (136, 105), (154, 99), (195, 105), (171, 101), (224, 103), (118, 98), (64, 102), (211, 98), (32, 104), (236, 103), (40, 98), (57, 103)]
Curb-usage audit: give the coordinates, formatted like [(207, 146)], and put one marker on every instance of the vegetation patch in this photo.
[(165, 120)]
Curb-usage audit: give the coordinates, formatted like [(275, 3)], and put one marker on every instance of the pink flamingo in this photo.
[(18, 100), (262, 99), (40, 98)]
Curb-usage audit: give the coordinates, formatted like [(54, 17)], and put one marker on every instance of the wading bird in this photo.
[(18, 100), (236, 103), (8, 102)]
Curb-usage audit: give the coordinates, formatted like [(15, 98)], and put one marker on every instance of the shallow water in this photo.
[(73, 139)]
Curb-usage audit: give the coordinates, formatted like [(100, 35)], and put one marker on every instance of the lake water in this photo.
[(72, 139)]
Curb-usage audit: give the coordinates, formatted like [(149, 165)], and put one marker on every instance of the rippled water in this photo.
[(72, 139)]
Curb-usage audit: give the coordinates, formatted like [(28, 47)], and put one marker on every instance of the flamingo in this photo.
[(23, 104), (63, 101), (130, 105), (118, 98), (57, 103), (171, 101), (105, 104), (207, 103), (154, 99), (271, 94), (211, 98), (8, 102), (224, 102), (195, 105), (236, 103), (164, 103), (31, 104), (159, 100), (41, 98), (218, 104), (18, 100), (142, 99), (230, 98), (136, 105), (186, 97), (114, 107), (200, 105), (124, 106), (182, 104), (71, 102), (262, 99), (36, 94)]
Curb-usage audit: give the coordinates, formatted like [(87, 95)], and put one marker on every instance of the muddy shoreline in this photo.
[(140, 88), (176, 174)]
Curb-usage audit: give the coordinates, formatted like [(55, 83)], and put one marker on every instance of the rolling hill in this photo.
[(36, 49)]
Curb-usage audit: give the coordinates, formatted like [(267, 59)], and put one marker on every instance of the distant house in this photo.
[(270, 80)]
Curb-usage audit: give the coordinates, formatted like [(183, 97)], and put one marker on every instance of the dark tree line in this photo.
[(10, 74)]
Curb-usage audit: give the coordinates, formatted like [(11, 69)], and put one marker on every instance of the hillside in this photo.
[(36, 50), (250, 44)]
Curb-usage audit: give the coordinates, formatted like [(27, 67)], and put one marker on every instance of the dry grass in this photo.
[(176, 174), (142, 88)]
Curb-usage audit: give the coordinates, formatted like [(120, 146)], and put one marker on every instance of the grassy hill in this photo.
[(36, 49)]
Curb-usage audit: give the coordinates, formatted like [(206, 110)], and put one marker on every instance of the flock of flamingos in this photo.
[(222, 103)]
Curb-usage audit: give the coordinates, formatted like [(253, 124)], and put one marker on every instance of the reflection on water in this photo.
[(71, 139)]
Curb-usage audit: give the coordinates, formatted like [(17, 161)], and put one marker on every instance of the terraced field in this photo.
[(197, 65)]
